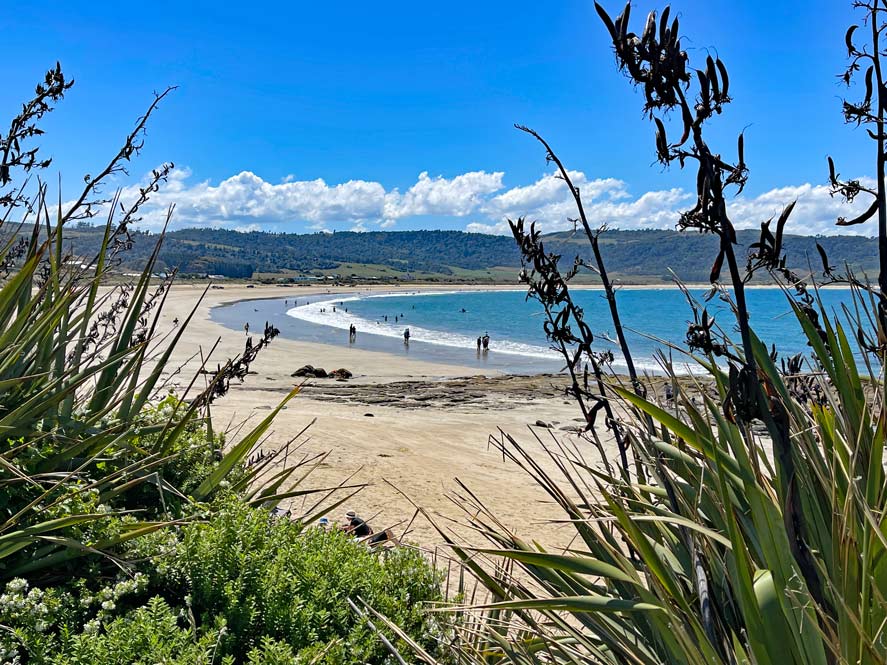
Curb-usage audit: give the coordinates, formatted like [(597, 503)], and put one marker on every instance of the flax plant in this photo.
[(87, 460), (757, 533)]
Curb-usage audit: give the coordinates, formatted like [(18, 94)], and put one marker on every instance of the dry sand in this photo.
[(429, 426)]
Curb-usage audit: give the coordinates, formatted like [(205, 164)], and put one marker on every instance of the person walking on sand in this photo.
[(246, 328)]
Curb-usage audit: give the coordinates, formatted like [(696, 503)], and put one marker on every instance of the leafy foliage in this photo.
[(148, 635), (270, 578)]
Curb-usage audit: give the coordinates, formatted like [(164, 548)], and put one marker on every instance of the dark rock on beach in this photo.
[(321, 373)]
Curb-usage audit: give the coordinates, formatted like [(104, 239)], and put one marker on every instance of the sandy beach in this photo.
[(398, 423)]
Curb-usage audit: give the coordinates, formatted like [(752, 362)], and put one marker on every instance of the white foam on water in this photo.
[(342, 320)]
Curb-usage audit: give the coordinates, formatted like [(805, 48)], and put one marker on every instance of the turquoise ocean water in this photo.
[(444, 326)]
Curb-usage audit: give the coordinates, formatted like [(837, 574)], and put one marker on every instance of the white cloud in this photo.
[(608, 201), (458, 197), (815, 213), (247, 202)]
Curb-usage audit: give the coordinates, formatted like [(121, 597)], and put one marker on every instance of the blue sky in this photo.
[(274, 98)]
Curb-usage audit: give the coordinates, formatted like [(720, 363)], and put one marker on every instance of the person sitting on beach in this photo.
[(381, 538), (277, 513), (356, 525)]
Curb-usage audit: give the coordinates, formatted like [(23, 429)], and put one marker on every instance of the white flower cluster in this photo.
[(28, 607), (18, 601), (107, 597)]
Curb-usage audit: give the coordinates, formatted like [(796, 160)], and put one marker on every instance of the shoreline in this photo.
[(302, 321), (313, 290), (408, 427), (449, 345)]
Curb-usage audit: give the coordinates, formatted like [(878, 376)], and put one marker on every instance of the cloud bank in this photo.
[(478, 201)]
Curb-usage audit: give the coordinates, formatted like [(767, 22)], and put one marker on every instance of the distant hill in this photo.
[(632, 256)]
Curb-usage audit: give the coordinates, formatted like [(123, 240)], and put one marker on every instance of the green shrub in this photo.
[(146, 636), (38, 621), (272, 652), (242, 587), (269, 577)]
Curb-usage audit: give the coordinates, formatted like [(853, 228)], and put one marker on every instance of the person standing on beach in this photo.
[(246, 328), (406, 336), (486, 341), (478, 344)]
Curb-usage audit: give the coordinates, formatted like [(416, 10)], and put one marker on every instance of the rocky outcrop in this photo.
[(309, 371)]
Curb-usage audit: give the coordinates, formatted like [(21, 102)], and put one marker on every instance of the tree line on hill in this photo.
[(643, 255)]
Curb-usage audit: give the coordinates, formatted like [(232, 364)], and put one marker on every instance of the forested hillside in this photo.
[(639, 256)]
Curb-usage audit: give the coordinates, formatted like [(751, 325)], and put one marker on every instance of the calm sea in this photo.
[(444, 326)]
